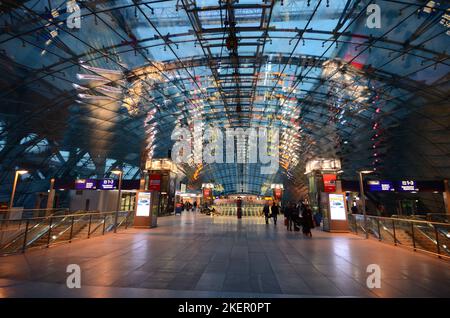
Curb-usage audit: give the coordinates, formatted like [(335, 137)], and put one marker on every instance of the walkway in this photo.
[(201, 256)]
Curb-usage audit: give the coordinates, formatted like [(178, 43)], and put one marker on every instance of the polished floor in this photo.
[(201, 256)]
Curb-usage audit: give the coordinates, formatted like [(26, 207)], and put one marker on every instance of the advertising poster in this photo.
[(277, 194), (329, 182), (337, 207), (155, 182), (143, 204)]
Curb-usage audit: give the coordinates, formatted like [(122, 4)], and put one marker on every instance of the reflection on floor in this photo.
[(202, 256)]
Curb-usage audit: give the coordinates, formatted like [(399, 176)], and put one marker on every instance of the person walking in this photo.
[(294, 217), (308, 222), (195, 206), (275, 210), (266, 211), (318, 218)]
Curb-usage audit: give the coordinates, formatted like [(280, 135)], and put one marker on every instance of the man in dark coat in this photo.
[(295, 217), (308, 222), (275, 210), (266, 211)]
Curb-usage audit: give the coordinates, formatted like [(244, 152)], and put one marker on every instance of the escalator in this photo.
[(413, 233), (43, 232)]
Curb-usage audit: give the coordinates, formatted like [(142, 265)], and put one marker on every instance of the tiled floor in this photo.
[(201, 256)]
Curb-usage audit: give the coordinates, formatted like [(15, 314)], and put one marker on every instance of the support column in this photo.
[(446, 195), (51, 197)]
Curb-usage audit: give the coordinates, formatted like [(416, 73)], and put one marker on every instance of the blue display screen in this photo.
[(107, 184), (381, 185), (85, 184), (407, 186)]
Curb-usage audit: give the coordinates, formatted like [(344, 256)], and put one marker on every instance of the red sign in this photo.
[(277, 193), (329, 182), (206, 192), (154, 183)]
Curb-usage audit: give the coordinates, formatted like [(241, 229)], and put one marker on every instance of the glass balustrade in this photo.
[(19, 235), (413, 233)]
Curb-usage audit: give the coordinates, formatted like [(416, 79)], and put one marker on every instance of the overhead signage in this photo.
[(107, 184), (408, 186), (85, 184), (329, 182), (377, 185), (143, 204), (337, 207)]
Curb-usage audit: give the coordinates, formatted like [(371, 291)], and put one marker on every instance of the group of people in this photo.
[(296, 216), (188, 206)]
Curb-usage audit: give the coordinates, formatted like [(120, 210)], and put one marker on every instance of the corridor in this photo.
[(201, 256)]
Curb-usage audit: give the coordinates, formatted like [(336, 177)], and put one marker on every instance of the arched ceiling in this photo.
[(79, 102)]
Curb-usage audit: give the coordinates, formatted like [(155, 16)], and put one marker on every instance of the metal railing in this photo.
[(20, 235), (419, 235), (30, 213)]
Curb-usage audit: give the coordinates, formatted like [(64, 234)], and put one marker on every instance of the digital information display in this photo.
[(337, 207), (143, 204), (107, 184), (376, 185), (85, 184), (408, 186)]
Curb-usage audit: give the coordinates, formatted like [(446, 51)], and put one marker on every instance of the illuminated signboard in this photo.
[(376, 185), (107, 184), (408, 186), (155, 182), (329, 182), (143, 204), (337, 207), (85, 184)]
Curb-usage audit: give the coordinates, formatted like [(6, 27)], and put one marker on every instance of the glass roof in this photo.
[(134, 70)]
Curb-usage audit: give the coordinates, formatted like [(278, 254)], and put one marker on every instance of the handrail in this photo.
[(55, 221), (416, 227), (63, 216), (39, 235), (54, 238), (406, 220)]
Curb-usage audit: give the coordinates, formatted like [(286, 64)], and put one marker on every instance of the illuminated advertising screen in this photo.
[(107, 184), (85, 184), (337, 207), (329, 182), (143, 204)]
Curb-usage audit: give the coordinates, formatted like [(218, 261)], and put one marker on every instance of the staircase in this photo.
[(61, 233), (246, 211)]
